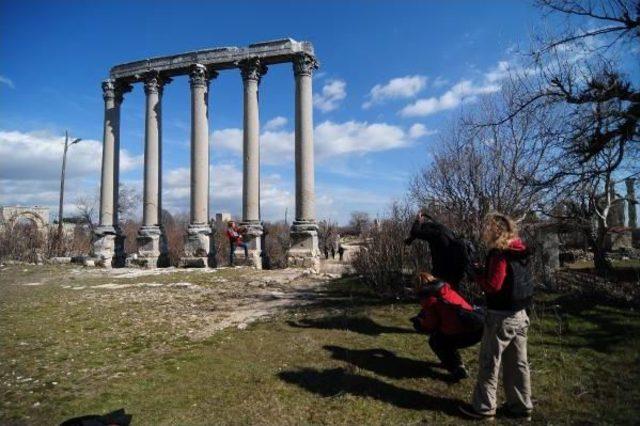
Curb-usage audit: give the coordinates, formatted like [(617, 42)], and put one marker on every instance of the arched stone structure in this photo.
[(38, 215), (202, 67)]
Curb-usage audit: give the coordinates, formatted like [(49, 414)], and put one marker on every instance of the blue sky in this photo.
[(392, 75)]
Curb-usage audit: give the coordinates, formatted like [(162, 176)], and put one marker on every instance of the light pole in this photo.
[(64, 166)]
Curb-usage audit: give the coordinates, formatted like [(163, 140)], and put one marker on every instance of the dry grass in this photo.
[(350, 358)]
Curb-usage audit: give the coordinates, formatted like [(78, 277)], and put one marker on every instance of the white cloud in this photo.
[(396, 88), (355, 137), (499, 72), (462, 92), (7, 81), (330, 139), (332, 93), (418, 130), (275, 123), (226, 191), (38, 156)]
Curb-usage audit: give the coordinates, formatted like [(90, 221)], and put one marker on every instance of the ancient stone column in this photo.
[(304, 231), (152, 247), (198, 241), (251, 70), (108, 239)]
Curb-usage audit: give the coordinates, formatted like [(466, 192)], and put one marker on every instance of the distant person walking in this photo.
[(235, 240), (335, 246), (508, 286), (341, 251)]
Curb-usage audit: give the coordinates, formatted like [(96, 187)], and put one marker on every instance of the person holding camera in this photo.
[(508, 286), (448, 318), (451, 257), (235, 240)]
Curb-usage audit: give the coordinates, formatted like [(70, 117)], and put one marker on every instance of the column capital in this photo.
[(115, 89), (304, 64), (252, 69), (154, 82), (200, 75)]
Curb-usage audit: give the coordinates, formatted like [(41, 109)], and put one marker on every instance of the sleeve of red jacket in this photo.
[(493, 278), (430, 319)]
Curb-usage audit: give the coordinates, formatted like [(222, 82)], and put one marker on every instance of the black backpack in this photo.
[(473, 319)]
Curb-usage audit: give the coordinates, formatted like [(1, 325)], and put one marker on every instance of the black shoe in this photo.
[(505, 411), (471, 413), (460, 373)]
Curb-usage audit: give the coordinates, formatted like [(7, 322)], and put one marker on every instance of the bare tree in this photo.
[(87, 210), (579, 82), (129, 202), (359, 221), (476, 169)]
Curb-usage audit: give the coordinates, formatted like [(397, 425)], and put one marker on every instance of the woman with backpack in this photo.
[(508, 287), (442, 316)]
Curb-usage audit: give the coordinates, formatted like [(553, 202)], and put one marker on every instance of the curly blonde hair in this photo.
[(499, 230)]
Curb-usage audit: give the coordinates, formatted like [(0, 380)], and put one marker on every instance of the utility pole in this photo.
[(64, 166)]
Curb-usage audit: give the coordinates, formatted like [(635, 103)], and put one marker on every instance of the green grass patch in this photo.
[(350, 358)]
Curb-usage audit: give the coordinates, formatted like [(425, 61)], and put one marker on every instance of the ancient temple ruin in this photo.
[(202, 67)]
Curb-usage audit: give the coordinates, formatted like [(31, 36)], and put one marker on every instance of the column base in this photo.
[(304, 252), (253, 238), (198, 248), (152, 248), (108, 247)]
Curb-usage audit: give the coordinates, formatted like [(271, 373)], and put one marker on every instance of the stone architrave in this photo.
[(108, 244), (201, 66), (199, 243), (252, 71), (304, 231), (152, 243)]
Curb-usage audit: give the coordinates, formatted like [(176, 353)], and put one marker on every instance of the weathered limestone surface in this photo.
[(152, 247), (202, 66), (269, 52), (252, 71), (304, 231), (108, 245)]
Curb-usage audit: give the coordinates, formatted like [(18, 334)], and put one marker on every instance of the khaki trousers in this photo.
[(504, 341)]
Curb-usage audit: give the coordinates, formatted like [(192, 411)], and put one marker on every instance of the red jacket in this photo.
[(493, 278), (439, 312), (234, 235)]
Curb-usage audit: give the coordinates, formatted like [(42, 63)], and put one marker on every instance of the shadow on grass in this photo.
[(591, 323), (335, 382), (387, 363), (359, 324), (350, 292)]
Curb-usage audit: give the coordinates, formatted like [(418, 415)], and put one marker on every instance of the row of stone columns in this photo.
[(108, 243)]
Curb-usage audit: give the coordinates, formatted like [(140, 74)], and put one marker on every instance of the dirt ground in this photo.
[(197, 302)]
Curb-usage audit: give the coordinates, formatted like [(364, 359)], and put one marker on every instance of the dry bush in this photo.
[(385, 263), (276, 244), (130, 229), (221, 244), (23, 242), (79, 242), (175, 228)]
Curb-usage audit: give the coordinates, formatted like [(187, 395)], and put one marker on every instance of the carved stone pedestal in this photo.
[(304, 252), (103, 248), (152, 248), (253, 238), (198, 248)]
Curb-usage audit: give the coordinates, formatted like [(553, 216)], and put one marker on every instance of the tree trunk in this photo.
[(600, 261)]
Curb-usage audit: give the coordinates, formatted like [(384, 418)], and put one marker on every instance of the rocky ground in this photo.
[(196, 302)]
